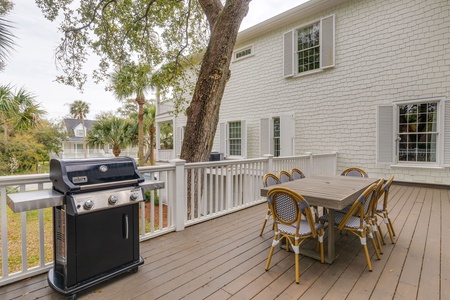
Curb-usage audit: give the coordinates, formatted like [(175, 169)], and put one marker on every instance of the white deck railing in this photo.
[(193, 193)]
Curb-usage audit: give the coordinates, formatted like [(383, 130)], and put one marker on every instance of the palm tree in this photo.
[(128, 81), (113, 131), (18, 111), (6, 41), (149, 113), (79, 109)]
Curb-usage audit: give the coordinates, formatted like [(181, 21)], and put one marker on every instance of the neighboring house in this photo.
[(369, 79), (73, 146)]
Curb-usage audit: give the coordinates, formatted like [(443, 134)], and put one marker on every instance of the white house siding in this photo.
[(385, 51)]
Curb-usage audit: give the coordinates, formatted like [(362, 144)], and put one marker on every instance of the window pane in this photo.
[(276, 136), (418, 132), (234, 135), (308, 48)]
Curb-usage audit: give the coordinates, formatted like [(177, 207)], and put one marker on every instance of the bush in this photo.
[(148, 196)]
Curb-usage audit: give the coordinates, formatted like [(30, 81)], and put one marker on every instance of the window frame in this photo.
[(327, 40), (388, 135), (286, 138), (224, 136), (242, 49)]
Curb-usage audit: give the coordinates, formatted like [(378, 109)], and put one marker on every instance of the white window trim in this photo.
[(289, 53), (224, 139), (252, 52), (442, 136), (287, 134)]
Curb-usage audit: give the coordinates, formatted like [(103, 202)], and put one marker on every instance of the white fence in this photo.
[(193, 193)]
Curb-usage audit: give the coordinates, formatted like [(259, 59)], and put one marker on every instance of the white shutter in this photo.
[(244, 139), (327, 41), (178, 141), (223, 138), (287, 134), (446, 133), (265, 137), (179, 137), (288, 54), (385, 134)]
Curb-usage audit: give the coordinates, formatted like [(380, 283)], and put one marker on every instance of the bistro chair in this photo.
[(269, 179), (355, 220), (284, 176), (287, 208), (382, 210), (297, 174), (356, 172), (372, 216)]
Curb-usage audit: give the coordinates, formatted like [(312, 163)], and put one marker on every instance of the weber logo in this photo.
[(80, 179)]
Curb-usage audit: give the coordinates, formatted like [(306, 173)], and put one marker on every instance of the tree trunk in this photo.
[(116, 150), (152, 144), (140, 101), (203, 112)]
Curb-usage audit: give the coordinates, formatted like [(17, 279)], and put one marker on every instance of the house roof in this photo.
[(71, 124), (299, 12)]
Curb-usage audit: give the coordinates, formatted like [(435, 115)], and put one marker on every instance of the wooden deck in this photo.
[(225, 258)]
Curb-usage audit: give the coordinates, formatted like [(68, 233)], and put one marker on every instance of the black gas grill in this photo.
[(96, 230)]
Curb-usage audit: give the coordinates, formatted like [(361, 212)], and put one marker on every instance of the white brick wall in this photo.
[(386, 50)]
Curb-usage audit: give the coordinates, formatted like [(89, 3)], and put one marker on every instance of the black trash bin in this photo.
[(215, 156)]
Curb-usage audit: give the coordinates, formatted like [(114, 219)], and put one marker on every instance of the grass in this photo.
[(32, 239)]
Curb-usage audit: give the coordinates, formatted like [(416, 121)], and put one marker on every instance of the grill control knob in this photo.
[(134, 196), (88, 204), (113, 199)]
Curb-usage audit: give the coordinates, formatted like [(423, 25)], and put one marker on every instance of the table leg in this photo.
[(331, 238)]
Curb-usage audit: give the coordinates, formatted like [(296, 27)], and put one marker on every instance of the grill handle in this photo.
[(107, 184), (126, 228)]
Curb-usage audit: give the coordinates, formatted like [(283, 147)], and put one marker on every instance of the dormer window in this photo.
[(79, 132)]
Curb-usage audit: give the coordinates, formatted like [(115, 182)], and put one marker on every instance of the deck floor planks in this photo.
[(224, 259), (388, 281), (445, 244)]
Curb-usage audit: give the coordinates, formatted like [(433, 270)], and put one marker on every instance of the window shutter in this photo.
[(244, 139), (264, 137), (223, 138), (385, 134), (179, 140), (327, 38), (288, 54), (287, 134), (446, 135)]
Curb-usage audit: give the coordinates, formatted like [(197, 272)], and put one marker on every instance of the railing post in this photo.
[(335, 163), (311, 164), (269, 163), (178, 192)]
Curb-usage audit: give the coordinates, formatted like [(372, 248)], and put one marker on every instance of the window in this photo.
[(234, 133), (277, 135), (415, 132), (233, 138), (243, 52), (79, 132), (310, 47)]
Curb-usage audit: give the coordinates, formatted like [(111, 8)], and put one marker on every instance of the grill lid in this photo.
[(71, 175)]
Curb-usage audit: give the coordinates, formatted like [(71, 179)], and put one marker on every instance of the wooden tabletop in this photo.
[(334, 192)]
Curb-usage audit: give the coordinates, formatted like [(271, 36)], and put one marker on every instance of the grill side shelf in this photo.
[(25, 201)]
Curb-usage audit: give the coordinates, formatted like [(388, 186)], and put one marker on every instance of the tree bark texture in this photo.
[(203, 112)]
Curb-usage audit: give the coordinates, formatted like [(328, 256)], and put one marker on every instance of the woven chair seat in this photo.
[(304, 228)]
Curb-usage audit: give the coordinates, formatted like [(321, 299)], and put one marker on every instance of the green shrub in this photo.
[(148, 196)]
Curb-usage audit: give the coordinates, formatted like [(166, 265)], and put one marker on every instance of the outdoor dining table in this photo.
[(331, 192)]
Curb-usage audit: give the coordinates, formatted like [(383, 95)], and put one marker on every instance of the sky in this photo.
[(32, 65)]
